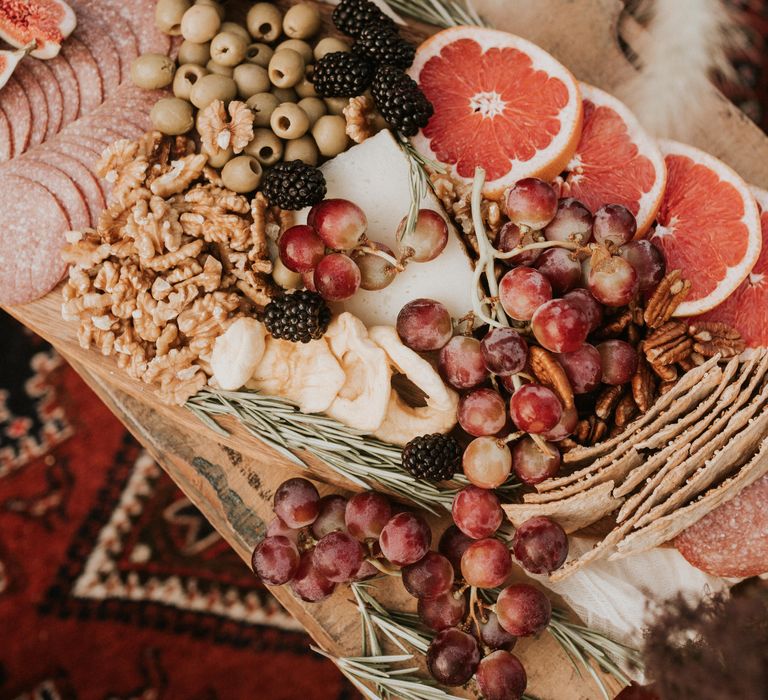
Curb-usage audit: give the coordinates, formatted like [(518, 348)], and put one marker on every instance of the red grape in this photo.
[(540, 545), (511, 237), (428, 239), (615, 224), (462, 364), (375, 272), (583, 367), (453, 657), (482, 412), (501, 676), (453, 544), (638, 692), (309, 584), (561, 267), (613, 281), (337, 277), (523, 610), (647, 261), (442, 612), (535, 408), (301, 249), (424, 325), (367, 514), (582, 299), (405, 539), (572, 223), (331, 516), (341, 224), (275, 560), (619, 361), (430, 577), (486, 564), (338, 557), (487, 462), (565, 426), (522, 291), (504, 350), (366, 571), (297, 502), (309, 280), (531, 203), (560, 326), (477, 512), (278, 527), (493, 635), (531, 465)]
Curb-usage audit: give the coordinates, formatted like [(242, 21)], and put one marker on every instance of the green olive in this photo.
[(186, 77), (220, 159), (215, 5), (235, 28), (286, 68), (172, 116), (301, 21), (200, 23), (212, 87), (303, 149), (168, 14), (330, 134), (190, 52), (330, 44), (228, 49), (152, 71), (262, 105), (300, 47), (306, 88), (264, 22), (289, 121), (284, 277), (285, 94), (251, 79), (336, 105), (242, 174), (265, 147), (314, 108), (260, 54), (218, 69)]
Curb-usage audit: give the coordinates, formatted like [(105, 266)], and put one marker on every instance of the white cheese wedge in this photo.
[(375, 176)]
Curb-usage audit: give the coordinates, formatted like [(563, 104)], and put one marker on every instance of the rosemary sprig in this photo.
[(364, 461), (440, 13)]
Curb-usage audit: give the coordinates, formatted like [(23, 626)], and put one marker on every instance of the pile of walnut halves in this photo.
[(174, 259)]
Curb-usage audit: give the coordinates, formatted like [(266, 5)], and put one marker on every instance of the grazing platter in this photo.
[(436, 266)]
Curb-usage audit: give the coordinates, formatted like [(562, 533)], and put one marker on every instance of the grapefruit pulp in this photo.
[(501, 103), (708, 226), (747, 308), (616, 162)]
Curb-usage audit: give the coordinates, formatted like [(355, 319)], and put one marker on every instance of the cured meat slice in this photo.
[(732, 540), (6, 137), (31, 237), (95, 36), (53, 96), (37, 104), (80, 174), (70, 90), (86, 72), (140, 15), (16, 107)]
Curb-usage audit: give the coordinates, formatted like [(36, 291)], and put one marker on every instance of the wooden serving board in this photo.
[(232, 480)]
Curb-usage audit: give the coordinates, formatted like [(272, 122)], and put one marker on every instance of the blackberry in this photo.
[(432, 457), (400, 100), (342, 74), (294, 185), (298, 317), (384, 46), (352, 16)]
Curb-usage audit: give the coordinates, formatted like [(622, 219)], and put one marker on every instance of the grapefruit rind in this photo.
[(548, 162), (649, 201), (737, 273)]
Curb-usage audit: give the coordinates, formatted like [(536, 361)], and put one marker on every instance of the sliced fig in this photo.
[(46, 23), (8, 62)]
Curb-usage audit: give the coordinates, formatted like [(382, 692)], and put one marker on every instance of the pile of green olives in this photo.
[(265, 63)]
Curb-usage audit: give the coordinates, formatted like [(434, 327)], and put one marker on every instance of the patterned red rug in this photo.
[(112, 585)]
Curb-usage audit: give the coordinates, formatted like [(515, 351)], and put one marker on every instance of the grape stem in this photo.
[(539, 245), (387, 570), (368, 250), (473, 603)]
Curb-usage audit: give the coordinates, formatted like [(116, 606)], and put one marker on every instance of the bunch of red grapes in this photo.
[(335, 258), (568, 267), (314, 544)]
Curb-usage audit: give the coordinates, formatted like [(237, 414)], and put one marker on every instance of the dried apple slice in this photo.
[(44, 23)]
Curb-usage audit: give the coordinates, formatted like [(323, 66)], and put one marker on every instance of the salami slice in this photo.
[(732, 540), (16, 107), (6, 138), (53, 96), (70, 91), (37, 104), (140, 15), (54, 154), (31, 238), (95, 36), (87, 73)]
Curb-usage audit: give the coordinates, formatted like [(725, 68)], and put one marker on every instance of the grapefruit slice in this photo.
[(616, 162), (500, 102), (746, 309), (708, 226)]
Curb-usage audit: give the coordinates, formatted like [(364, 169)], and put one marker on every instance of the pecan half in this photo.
[(616, 326), (711, 338), (668, 344), (667, 373), (551, 373), (607, 401), (625, 411), (643, 386), (670, 293), (590, 431)]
